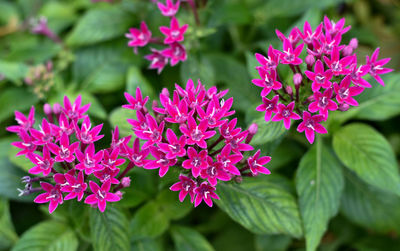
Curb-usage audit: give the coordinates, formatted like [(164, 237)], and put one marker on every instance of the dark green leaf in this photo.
[(136, 79), (366, 152), (118, 118), (187, 239), (261, 206), (7, 233), (267, 131), (198, 68), (145, 245), (109, 230), (319, 183), (48, 235), (272, 242), (15, 99), (174, 209)]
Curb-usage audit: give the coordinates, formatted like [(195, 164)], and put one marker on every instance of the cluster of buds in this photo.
[(190, 132), (175, 51), (327, 79), (62, 151), (40, 26), (41, 78)]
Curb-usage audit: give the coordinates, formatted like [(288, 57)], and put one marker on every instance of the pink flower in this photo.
[(135, 103), (320, 77), (357, 72), (43, 136), (268, 81), (269, 107), (197, 134), (338, 65), (205, 192), (64, 152), (174, 148), (107, 174), (25, 123), (26, 144), (135, 154), (212, 115), (293, 37), (256, 164), (76, 186), (334, 28), (157, 60), (270, 62), (90, 160), (185, 186), (75, 111), (176, 52), (286, 114), (236, 143), (196, 161), (101, 195), (345, 93), (43, 164), (174, 33), (161, 161), (111, 160), (376, 66), (228, 161), (52, 195), (323, 103), (310, 125), (290, 55), (153, 134), (169, 9), (64, 127), (228, 129), (309, 34), (214, 172), (139, 37), (86, 134)]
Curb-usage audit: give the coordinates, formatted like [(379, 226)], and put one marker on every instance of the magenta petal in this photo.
[(112, 197), (91, 199)]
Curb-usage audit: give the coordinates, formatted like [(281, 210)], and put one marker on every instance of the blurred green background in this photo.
[(94, 61)]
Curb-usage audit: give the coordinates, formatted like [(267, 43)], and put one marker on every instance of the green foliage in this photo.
[(186, 239), (261, 206), (109, 230), (8, 102), (319, 183), (7, 233), (366, 152), (48, 235)]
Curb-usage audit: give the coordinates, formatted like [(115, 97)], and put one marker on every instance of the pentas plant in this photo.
[(174, 52), (190, 131), (326, 76), (64, 157)]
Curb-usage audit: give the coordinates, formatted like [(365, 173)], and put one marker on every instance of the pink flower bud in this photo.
[(119, 194), (49, 66), (353, 43), (297, 78), (47, 109), (343, 107), (253, 128), (57, 108), (238, 179), (289, 90), (310, 60), (347, 51), (310, 99), (165, 92), (126, 181)]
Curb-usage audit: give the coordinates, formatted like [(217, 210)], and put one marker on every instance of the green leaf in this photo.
[(251, 63), (378, 102), (174, 209), (145, 245), (109, 230), (287, 8), (370, 207), (261, 206), (99, 25), (107, 77), (149, 221), (267, 131), (198, 68), (366, 152), (272, 242), (319, 183), (136, 79), (20, 161), (187, 239), (118, 118), (48, 235), (7, 233), (13, 71), (15, 99)]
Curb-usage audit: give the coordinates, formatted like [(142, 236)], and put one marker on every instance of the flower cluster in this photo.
[(326, 76), (174, 36), (40, 78), (62, 151), (190, 132)]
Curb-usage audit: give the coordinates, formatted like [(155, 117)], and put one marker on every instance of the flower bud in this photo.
[(310, 60), (347, 51), (289, 90), (165, 92), (238, 179), (297, 78), (57, 108), (119, 194), (126, 181), (343, 107), (47, 109), (310, 99), (353, 43), (253, 128)]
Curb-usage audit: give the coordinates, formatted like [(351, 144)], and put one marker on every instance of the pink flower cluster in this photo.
[(175, 51), (190, 132), (62, 150), (326, 76)]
